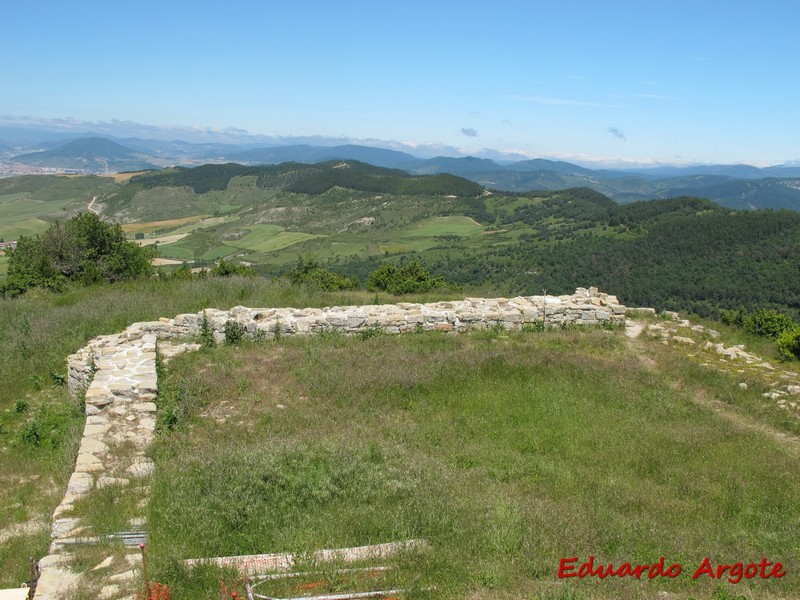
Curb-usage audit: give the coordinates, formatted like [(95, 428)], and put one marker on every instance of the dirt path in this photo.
[(718, 357), (90, 207)]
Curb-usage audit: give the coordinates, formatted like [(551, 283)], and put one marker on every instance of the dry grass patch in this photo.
[(122, 177), (151, 226)]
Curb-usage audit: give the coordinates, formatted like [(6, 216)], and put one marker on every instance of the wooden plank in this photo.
[(256, 564)]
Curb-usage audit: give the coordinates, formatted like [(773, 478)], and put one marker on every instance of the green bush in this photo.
[(410, 278), (234, 332), (732, 317), (83, 249), (30, 433), (789, 344), (228, 269), (308, 270), (768, 322)]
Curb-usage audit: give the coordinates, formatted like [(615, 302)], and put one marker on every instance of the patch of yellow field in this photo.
[(119, 177), (164, 239), (156, 225), (160, 262)]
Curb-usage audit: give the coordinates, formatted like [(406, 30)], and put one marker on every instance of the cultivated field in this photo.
[(268, 238)]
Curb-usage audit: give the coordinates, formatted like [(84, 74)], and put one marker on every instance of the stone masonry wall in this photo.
[(118, 374), (585, 307)]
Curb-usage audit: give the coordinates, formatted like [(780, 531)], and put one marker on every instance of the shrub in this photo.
[(234, 332), (30, 434), (206, 333), (228, 269), (789, 344), (768, 322), (732, 317), (409, 278), (308, 270)]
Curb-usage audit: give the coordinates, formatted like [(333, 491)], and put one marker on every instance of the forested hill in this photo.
[(311, 179), (683, 253)]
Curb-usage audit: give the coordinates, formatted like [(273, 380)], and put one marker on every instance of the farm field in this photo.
[(152, 226), (437, 226), (19, 215), (268, 238), (196, 247)]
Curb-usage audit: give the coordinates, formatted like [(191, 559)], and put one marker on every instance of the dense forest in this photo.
[(683, 253)]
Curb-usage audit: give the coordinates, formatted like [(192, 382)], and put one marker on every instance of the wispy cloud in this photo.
[(617, 133), (469, 132), (559, 101), (700, 58)]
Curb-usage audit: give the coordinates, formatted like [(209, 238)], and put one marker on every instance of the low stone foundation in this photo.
[(585, 307), (118, 375)]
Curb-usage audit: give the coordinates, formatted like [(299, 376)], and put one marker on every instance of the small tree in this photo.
[(229, 269), (83, 249), (308, 270), (409, 278)]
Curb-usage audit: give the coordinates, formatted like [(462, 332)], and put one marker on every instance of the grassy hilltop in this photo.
[(507, 451)]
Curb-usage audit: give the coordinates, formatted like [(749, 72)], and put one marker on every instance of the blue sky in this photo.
[(668, 82)]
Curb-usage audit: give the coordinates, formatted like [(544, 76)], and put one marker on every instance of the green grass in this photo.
[(201, 245), (24, 201), (13, 230), (37, 332), (268, 238), (506, 451), (38, 436), (436, 226)]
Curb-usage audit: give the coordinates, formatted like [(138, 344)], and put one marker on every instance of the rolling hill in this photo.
[(89, 155), (685, 252), (728, 185)]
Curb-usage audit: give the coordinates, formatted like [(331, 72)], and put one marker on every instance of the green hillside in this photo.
[(684, 253), (29, 203)]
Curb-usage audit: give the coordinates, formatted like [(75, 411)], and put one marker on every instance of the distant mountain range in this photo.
[(735, 186), (93, 155)]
